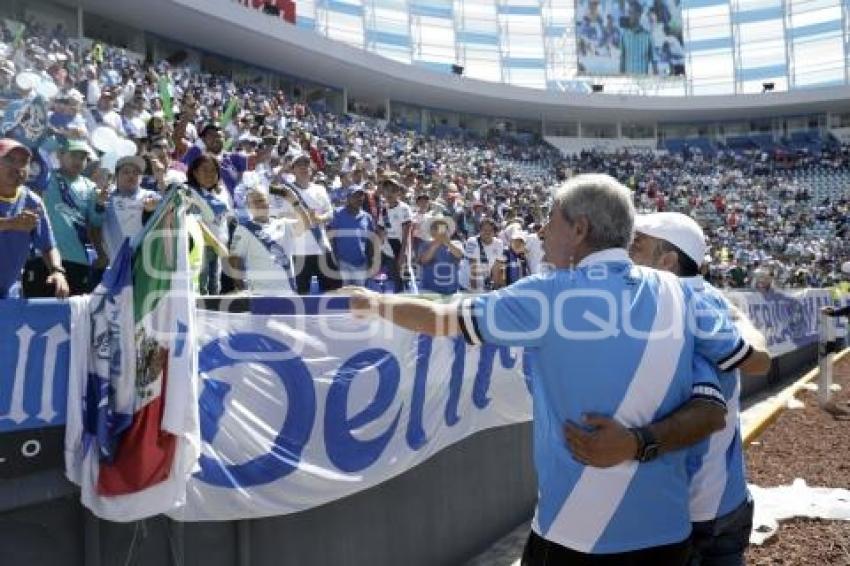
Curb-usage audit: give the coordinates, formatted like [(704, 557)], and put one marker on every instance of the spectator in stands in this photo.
[(24, 225), (104, 113), (129, 206), (420, 217), (354, 240), (258, 259), (75, 209), (513, 265), (66, 119), (439, 257), (395, 225), (481, 253), (311, 250), (216, 210), (762, 280), (231, 165)]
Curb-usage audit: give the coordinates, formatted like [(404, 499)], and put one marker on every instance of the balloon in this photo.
[(109, 160), (47, 89), (27, 80), (126, 147), (104, 139)]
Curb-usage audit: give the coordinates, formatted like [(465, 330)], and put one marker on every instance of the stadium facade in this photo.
[(340, 55)]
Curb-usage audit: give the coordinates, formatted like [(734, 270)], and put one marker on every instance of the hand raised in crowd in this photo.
[(150, 204), (158, 168), (26, 221), (60, 284), (102, 194)]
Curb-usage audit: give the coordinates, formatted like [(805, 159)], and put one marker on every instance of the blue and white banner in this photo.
[(34, 352), (297, 411), (788, 319)]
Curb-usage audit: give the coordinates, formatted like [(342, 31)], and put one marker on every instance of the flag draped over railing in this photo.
[(133, 437)]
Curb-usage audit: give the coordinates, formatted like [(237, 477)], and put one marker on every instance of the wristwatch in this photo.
[(647, 444)]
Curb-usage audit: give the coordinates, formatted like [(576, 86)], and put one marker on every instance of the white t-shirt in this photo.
[(316, 198), (472, 256), (123, 218), (263, 275), (419, 221), (394, 219), (534, 253)]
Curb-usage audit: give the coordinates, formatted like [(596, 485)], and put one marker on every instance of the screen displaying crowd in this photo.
[(630, 37), (289, 198)]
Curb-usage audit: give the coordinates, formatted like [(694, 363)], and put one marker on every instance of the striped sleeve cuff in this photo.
[(468, 323), (708, 392), (741, 352)]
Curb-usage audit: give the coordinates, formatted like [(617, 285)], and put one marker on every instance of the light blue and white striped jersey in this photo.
[(716, 465), (615, 339), (637, 51)]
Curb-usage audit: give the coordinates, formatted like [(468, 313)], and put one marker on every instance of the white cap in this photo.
[(519, 235), (675, 228)]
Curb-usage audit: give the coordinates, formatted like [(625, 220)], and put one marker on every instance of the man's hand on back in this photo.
[(608, 443)]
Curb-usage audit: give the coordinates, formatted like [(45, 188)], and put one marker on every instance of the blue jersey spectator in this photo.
[(353, 239), (439, 257), (23, 225)]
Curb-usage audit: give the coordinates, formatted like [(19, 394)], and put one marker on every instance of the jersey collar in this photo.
[(618, 255), (14, 198)]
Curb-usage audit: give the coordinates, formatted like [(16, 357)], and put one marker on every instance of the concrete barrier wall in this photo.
[(442, 512)]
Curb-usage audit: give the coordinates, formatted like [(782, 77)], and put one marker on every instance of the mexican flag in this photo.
[(133, 434)]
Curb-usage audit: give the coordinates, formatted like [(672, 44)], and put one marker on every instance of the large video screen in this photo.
[(630, 37)]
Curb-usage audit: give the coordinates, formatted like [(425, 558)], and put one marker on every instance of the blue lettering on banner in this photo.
[(297, 426), (416, 438), (456, 380), (786, 320), (344, 450)]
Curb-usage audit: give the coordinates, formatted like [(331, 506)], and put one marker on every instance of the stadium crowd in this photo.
[(296, 199)]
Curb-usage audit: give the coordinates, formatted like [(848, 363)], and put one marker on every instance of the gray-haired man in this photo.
[(607, 337)]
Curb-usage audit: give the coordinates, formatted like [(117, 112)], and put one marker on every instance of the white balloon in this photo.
[(47, 89), (126, 147), (109, 160), (104, 139), (27, 80)]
